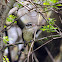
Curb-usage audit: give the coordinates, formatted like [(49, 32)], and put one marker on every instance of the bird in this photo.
[(28, 32), (28, 36)]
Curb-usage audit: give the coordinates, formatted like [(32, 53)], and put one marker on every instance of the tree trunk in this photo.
[(4, 9)]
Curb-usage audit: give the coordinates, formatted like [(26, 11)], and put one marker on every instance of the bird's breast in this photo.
[(27, 35)]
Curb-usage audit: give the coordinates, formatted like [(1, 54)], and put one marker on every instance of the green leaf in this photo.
[(52, 1), (59, 5), (20, 5), (46, 38), (51, 21), (45, 9), (5, 59), (42, 29), (5, 26), (15, 22), (55, 7), (5, 39), (10, 18), (50, 27), (53, 31), (47, 26), (46, 3)]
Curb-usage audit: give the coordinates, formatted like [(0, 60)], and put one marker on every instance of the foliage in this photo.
[(11, 18), (48, 2), (15, 22), (20, 5), (50, 27), (5, 26), (5, 39), (5, 59), (59, 5)]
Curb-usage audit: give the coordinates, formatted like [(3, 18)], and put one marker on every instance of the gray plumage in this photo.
[(28, 33)]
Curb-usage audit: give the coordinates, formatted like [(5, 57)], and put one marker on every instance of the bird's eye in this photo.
[(29, 24)]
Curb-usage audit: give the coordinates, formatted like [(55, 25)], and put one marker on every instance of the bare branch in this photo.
[(50, 55)]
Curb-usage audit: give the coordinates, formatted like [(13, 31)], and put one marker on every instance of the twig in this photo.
[(32, 3), (25, 60), (14, 44), (35, 58), (14, 21), (36, 40), (32, 56), (38, 33), (60, 19), (42, 15), (60, 2), (45, 44), (35, 10), (31, 46), (50, 55), (23, 5)]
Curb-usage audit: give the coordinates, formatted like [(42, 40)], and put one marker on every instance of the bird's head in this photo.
[(29, 25)]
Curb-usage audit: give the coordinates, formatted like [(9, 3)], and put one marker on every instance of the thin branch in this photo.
[(28, 12), (60, 2), (14, 21), (60, 19), (45, 44), (14, 44), (23, 4), (36, 40), (31, 46), (50, 55), (35, 58)]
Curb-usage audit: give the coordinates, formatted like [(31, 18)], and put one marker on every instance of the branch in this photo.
[(36, 40), (50, 55), (43, 6), (45, 44)]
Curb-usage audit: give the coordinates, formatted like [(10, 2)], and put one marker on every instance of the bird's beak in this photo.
[(33, 25)]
